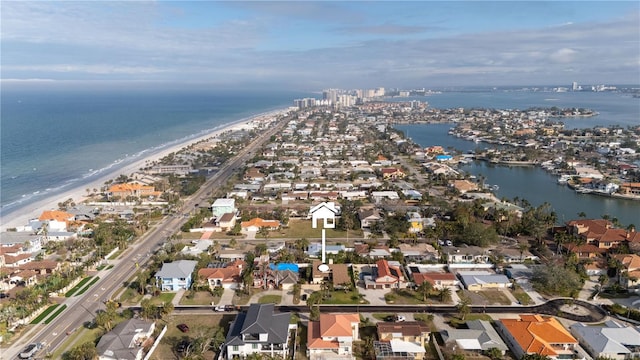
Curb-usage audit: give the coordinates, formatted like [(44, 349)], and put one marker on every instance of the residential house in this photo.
[(259, 330), (482, 280), (511, 255), (227, 221), (223, 206), (416, 223), (338, 275), (478, 337), (464, 186), (466, 255), (368, 217), (584, 251), (126, 341), (536, 334), (131, 189), (55, 220), (630, 273), (332, 335), (388, 275), (227, 277), (611, 340), (398, 350), (379, 196), (438, 280), (256, 224), (392, 173), (412, 331), (418, 252), (176, 275)]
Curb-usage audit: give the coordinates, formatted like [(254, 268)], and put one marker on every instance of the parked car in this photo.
[(183, 346), (219, 308), (29, 351), (183, 327)]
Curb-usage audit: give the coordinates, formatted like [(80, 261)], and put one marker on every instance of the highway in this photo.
[(82, 309)]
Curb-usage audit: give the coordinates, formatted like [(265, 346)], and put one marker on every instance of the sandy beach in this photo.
[(78, 193)]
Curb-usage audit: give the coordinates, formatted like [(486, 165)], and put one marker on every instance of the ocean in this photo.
[(55, 140)]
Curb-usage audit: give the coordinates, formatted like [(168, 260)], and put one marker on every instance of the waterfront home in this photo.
[(20, 242), (630, 273), (223, 206), (332, 336), (463, 186), (482, 280), (584, 251), (259, 330), (611, 340), (537, 334), (479, 336), (125, 190), (176, 275), (227, 277), (126, 341), (55, 220), (630, 189)]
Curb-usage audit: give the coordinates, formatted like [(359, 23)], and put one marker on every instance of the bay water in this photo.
[(532, 183)]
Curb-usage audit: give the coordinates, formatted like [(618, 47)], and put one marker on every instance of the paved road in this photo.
[(82, 309)]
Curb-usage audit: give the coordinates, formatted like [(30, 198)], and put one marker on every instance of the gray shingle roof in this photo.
[(177, 269), (260, 319)]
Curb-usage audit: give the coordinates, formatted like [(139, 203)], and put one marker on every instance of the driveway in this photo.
[(374, 296)]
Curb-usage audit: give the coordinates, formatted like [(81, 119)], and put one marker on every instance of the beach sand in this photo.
[(21, 216)]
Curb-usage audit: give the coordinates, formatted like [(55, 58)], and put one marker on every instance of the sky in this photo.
[(306, 45)]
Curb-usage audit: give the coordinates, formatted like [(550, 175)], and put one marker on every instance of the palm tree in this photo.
[(425, 289), (445, 294), (464, 307)]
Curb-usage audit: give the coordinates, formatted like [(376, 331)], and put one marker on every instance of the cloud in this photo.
[(132, 40), (564, 55), (386, 29)]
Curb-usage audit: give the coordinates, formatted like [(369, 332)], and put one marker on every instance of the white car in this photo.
[(219, 308), (400, 318), (29, 351)]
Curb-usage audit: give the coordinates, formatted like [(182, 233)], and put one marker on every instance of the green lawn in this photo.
[(199, 298), (522, 296), (405, 297), (382, 316), (340, 297), (130, 296), (299, 229), (270, 299), (84, 289), (56, 313), (44, 314), (163, 298), (457, 323), (78, 286), (495, 297)]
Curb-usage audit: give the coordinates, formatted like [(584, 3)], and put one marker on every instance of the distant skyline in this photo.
[(313, 45)]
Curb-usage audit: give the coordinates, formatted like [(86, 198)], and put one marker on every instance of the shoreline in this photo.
[(20, 215)]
